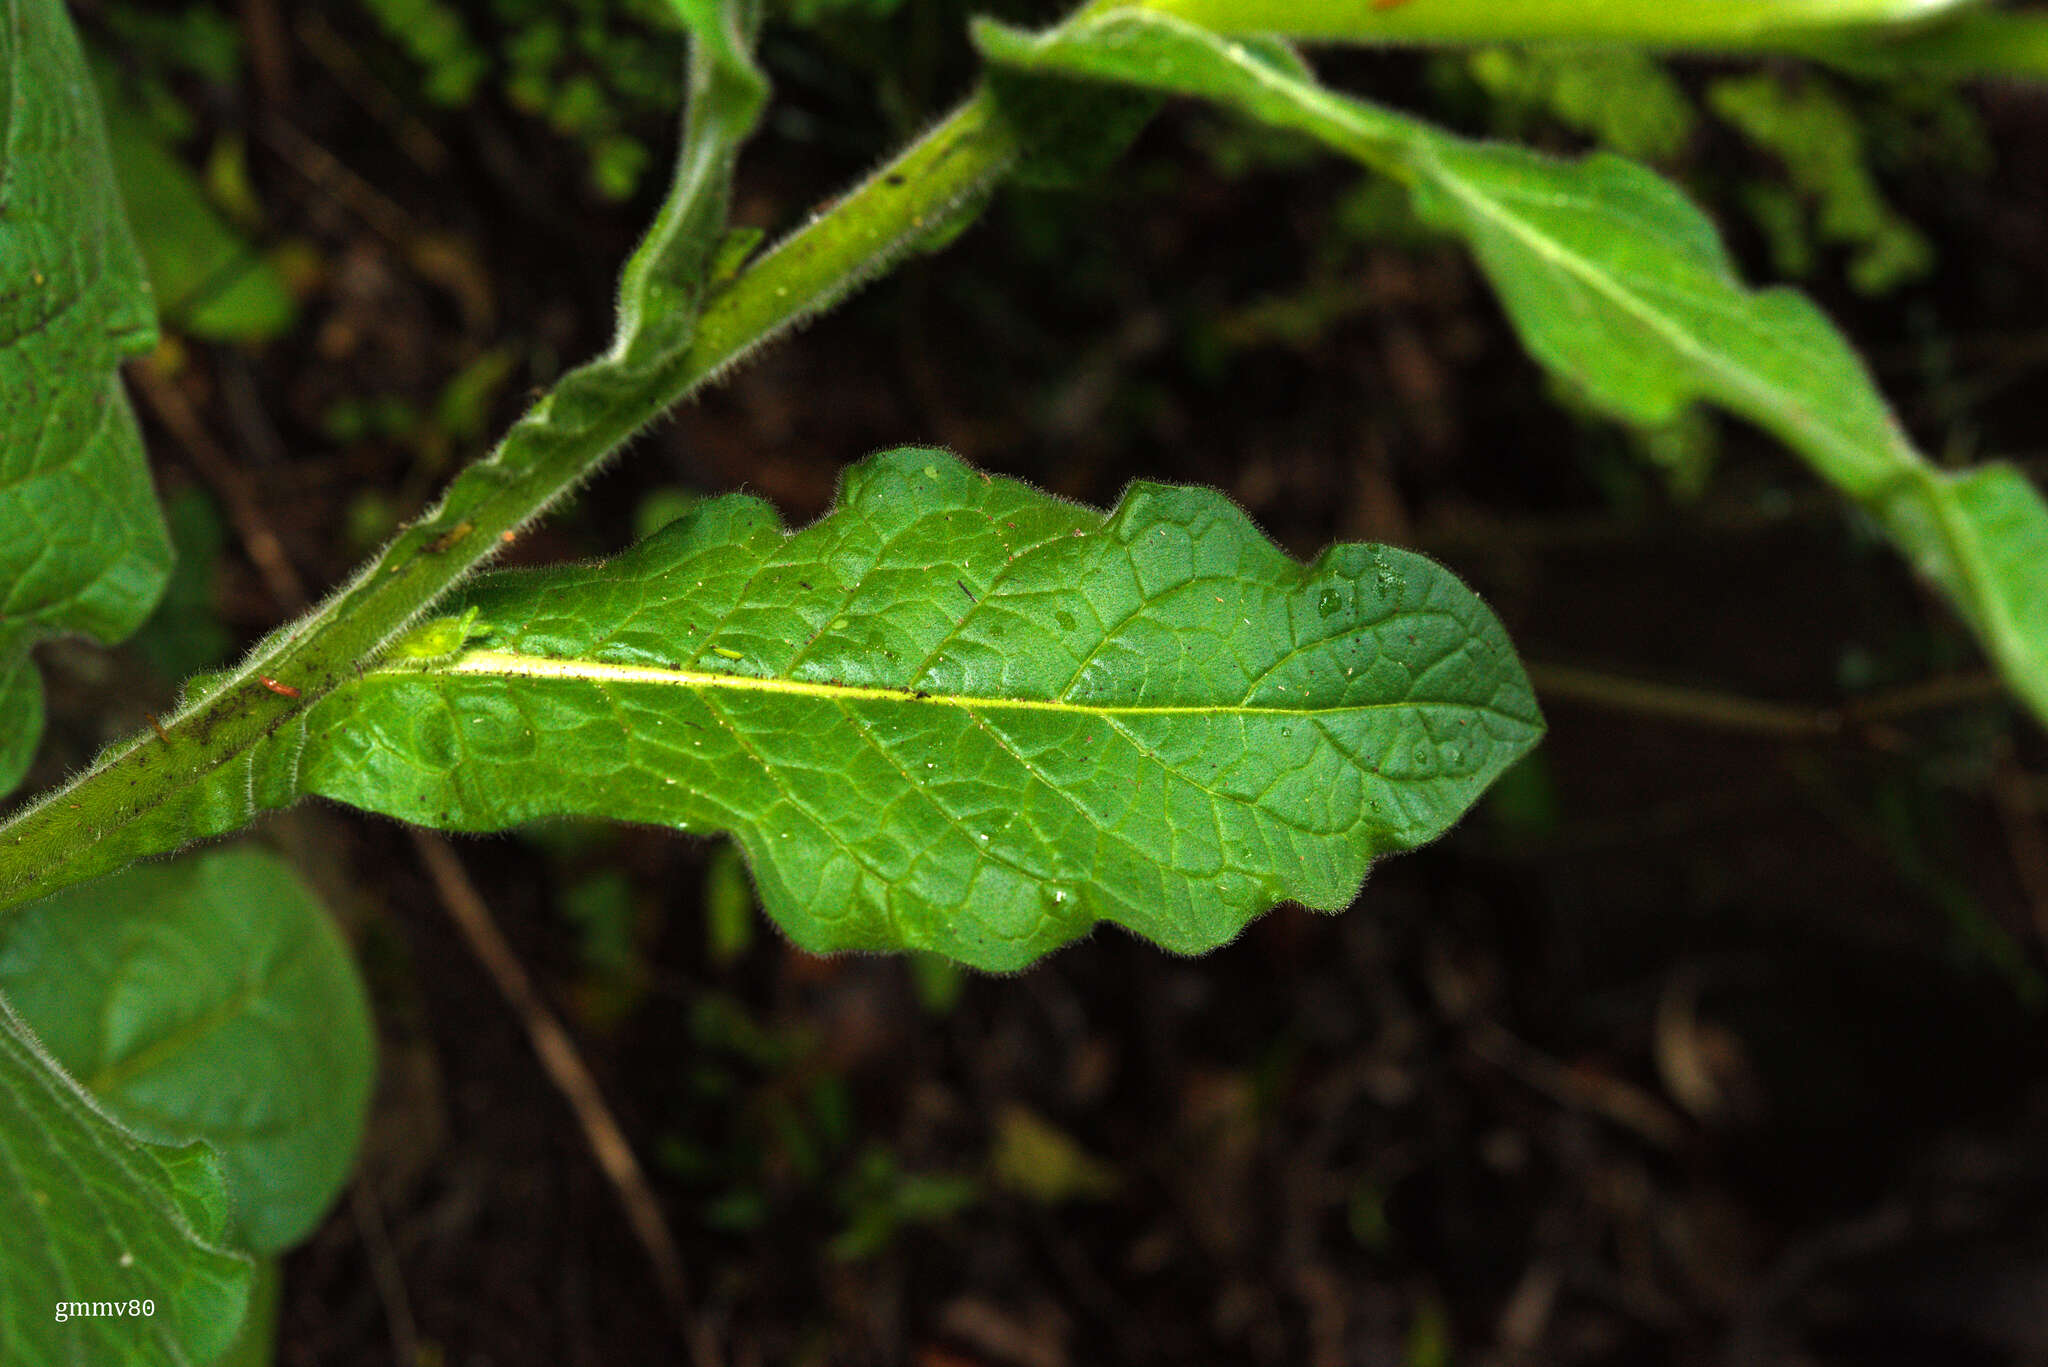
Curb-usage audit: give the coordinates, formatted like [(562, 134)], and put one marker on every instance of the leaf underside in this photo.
[(82, 545), (957, 714), (1618, 284), (91, 1213)]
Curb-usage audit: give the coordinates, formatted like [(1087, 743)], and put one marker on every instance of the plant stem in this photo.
[(1698, 706), (1731, 26), (2013, 46), (155, 793)]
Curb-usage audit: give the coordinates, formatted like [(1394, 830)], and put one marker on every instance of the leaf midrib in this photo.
[(509, 665)]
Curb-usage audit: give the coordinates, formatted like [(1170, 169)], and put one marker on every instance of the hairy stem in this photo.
[(103, 819)]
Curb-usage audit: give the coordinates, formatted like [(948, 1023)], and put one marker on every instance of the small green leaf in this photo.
[(1618, 284), (734, 249), (21, 702), (958, 715), (938, 983), (93, 1214), (82, 545), (728, 907), (439, 638), (663, 286), (1036, 1159), (208, 279), (209, 998), (256, 1344), (185, 634)]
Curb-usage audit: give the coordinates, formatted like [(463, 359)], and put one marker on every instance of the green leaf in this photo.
[(93, 1214), (728, 908), (664, 284), (209, 280), (958, 715), (209, 998), (1036, 1159), (21, 701), (256, 1344), (186, 634), (82, 546), (1621, 286)]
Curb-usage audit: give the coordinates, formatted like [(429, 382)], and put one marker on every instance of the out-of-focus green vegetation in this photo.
[(592, 69), (197, 232)]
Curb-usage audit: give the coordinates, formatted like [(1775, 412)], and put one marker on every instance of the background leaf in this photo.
[(82, 546), (208, 279), (1617, 283), (21, 703), (1808, 127), (956, 714), (256, 1344), (209, 998), (92, 1213)]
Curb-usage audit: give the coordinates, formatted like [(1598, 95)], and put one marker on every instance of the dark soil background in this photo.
[(1714, 1036)]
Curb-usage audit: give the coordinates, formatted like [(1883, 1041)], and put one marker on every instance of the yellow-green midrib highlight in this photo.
[(507, 665)]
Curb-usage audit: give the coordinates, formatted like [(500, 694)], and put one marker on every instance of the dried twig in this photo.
[(573, 1079), (1620, 1102), (328, 173), (1864, 717), (230, 482), (2026, 837), (1700, 706), (405, 1333)]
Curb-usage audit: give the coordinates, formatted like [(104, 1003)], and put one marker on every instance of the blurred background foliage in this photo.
[(1715, 1035)]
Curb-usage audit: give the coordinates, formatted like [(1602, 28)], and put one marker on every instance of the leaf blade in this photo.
[(959, 716), (83, 547), (94, 1214)]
